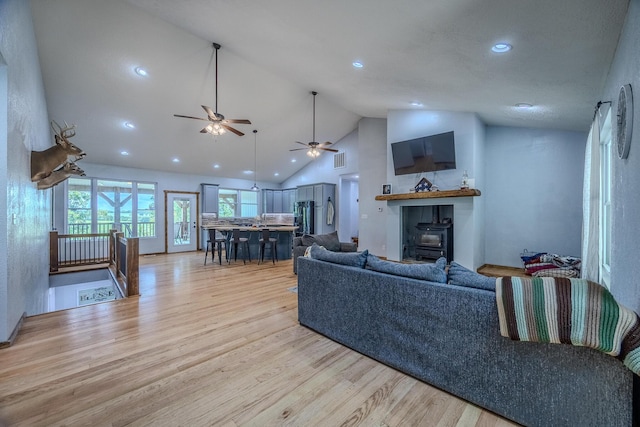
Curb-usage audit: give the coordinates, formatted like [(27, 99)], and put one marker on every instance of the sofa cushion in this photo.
[(354, 259), (329, 241), (431, 272), (462, 276)]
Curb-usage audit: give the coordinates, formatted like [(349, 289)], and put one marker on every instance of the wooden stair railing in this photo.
[(113, 249)]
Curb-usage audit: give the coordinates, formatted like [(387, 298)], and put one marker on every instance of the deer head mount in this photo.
[(59, 175), (43, 163)]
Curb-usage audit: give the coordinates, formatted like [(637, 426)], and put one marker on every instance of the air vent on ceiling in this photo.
[(339, 160)]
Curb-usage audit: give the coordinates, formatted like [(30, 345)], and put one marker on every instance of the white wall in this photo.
[(24, 245), (349, 212), (372, 150), (625, 274), (533, 192)]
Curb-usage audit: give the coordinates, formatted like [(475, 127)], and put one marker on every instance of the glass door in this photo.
[(181, 222)]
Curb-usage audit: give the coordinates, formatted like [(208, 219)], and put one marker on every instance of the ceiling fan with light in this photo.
[(314, 147), (218, 124)]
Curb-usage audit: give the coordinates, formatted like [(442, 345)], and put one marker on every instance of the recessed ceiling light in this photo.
[(129, 125), (276, 174), (141, 72), (124, 153), (357, 64), (216, 166), (523, 105), (293, 160), (176, 160), (501, 47), (247, 172), (416, 104)]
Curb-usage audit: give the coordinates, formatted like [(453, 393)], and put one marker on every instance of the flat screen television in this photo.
[(425, 154)]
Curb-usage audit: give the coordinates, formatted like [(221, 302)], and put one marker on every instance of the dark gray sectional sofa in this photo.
[(448, 336), (329, 241)]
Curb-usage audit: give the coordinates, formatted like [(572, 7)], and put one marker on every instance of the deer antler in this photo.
[(64, 133)]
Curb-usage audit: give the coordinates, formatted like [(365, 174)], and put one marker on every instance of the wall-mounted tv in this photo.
[(425, 154)]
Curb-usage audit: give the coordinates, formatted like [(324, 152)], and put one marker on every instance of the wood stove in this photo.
[(434, 240)]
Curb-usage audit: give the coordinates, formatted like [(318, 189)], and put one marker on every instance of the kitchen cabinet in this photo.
[(305, 193), (209, 198), (278, 201)]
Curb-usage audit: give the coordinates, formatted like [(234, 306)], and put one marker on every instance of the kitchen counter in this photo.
[(223, 228), (284, 234)]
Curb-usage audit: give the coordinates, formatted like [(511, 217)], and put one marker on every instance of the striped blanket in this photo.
[(568, 311)]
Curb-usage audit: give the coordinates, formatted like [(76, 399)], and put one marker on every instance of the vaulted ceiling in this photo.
[(274, 53)]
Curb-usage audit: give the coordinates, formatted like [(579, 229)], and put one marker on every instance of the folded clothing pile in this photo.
[(543, 264)]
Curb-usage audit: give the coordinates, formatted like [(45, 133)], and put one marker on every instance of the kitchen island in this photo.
[(284, 234)]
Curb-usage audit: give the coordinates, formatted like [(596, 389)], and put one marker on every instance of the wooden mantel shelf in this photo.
[(471, 192)]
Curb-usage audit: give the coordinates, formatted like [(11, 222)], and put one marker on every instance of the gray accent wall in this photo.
[(625, 68), (25, 211), (533, 192)]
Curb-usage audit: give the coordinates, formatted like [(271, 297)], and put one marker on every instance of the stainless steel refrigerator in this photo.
[(304, 217)]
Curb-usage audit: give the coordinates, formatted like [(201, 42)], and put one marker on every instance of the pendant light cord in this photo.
[(314, 115), (255, 157)]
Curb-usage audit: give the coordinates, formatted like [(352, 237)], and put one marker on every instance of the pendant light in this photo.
[(255, 160)]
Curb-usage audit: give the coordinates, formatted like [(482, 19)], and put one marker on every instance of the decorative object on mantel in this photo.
[(386, 189), (423, 185), (64, 153), (472, 192), (465, 181), (625, 121)]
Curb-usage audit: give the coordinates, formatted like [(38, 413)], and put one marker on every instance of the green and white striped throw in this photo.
[(568, 311)]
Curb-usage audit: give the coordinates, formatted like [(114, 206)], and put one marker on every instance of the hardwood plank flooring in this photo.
[(207, 346)]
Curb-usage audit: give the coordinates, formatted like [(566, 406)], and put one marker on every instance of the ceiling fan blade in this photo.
[(191, 117), (326, 143), (328, 149), (229, 128), (204, 130), (302, 143), (240, 121), (298, 149), (212, 115)]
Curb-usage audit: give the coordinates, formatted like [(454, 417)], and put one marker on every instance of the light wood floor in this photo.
[(206, 346)]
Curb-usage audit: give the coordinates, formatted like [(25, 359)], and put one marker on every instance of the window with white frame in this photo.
[(99, 205), (237, 203), (606, 148)]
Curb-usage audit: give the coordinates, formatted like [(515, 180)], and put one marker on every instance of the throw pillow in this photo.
[(461, 276), (354, 259), (329, 241), (431, 272)]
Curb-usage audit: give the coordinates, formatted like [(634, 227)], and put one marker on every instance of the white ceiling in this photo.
[(274, 53)]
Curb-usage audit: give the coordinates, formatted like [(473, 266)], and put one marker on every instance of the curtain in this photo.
[(591, 205)]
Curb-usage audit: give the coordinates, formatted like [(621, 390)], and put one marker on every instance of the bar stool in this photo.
[(233, 246), (216, 240), (273, 245)]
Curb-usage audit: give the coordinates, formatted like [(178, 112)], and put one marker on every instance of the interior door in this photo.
[(181, 222)]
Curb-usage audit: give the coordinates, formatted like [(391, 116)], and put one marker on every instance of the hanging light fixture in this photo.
[(313, 152), (255, 160), (214, 128)]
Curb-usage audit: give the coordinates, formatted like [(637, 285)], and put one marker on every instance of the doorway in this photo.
[(348, 213), (181, 225)]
